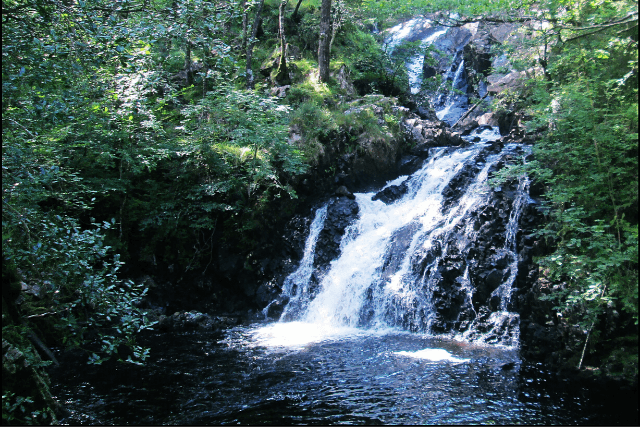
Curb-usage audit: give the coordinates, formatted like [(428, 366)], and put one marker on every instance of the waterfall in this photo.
[(440, 260), (345, 297), (458, 82), (418, 29), (416, 63), (453, 105), (450, 105), (395, 268), (296, 285), (400, 32)]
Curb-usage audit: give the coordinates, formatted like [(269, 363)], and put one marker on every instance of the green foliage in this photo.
[(75, 280), (592, 199), (314, 123), (383, 70), (588, 160), (15, 410), (373, 120), (123, 130), (235, 142), (584, 108)]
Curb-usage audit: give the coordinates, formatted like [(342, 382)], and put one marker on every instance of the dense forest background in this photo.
[(149, 132)]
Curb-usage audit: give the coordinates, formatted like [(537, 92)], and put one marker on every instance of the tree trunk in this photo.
[(295, 11), (282, 74), (187, 64), (337, 22), (187, 55), (245, 19), (252, 41), (323, 45)]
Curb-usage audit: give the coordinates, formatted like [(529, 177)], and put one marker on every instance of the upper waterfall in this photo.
[(451, 100)]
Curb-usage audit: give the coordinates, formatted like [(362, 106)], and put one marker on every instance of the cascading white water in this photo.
[(502, 322), (400, 32), (458, 82), (344, 289), (476, 194), (504, 291), (296, 284), (454, 104), (416, 63), (360, 290)]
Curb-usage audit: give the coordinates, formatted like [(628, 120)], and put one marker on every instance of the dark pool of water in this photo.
[(199, 378)]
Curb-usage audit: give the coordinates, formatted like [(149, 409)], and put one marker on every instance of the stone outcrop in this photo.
[(341, 212), (391, 193), (194, 320), (424, 134)]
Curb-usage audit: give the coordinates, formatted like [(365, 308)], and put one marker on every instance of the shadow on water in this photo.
[(393, 378)]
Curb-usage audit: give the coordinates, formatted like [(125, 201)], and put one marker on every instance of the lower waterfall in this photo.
[(413, 264)]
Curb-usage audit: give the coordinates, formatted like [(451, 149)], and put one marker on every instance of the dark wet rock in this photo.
[(446, 47), (341, 212), (423, 134), (344, 192), (276, 307), (459, 183), (399, 244), (478, 57), (267, 292), (429, 71), (376, 160), (457, 186), (391, 193), (409, 164), (194, 320)]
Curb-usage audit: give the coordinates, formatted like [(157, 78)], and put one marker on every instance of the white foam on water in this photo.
[(432, 354), (486, 134), (297, 334)]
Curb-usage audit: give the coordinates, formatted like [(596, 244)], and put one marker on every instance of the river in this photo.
[(251, 375)]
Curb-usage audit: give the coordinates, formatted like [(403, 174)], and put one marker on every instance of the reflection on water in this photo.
[(351, 377)]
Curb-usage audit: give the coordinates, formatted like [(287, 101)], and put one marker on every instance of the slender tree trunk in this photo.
[(337, 22), (282, 75), (187, 55), (295, 11), (245, 19), (323, 45), (283, 42), (187, 64), (250, 44)]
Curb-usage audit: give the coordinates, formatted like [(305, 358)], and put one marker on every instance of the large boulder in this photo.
[(343, 78), (446, 47), (392, 193), (423, 134)]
